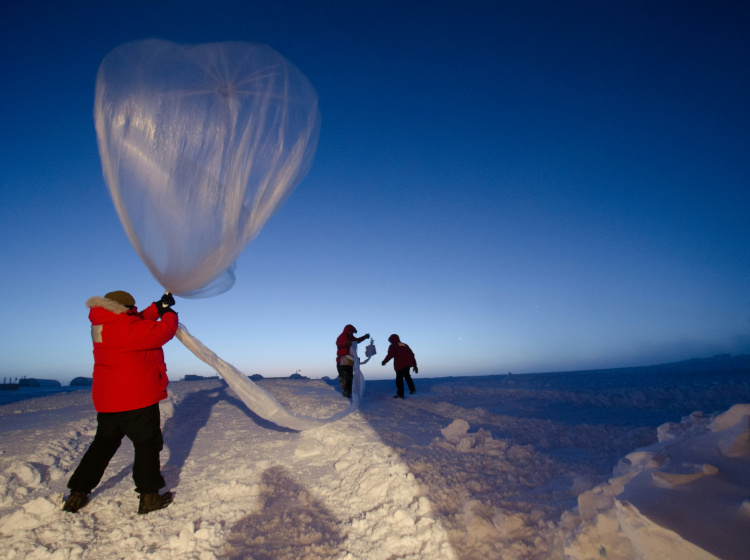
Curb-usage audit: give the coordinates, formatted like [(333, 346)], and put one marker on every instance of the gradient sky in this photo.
[(509, 186)]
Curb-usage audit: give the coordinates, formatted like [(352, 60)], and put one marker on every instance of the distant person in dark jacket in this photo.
[(403, 361), (130, 378), (344, 362)]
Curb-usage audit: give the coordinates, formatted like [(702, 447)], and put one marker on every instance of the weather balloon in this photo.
[(200, 145)]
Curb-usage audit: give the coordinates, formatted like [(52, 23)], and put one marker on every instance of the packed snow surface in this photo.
[(543, 466)]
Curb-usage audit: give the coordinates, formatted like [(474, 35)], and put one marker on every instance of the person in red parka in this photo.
[(130, 378), (344, 362), (403, 361)]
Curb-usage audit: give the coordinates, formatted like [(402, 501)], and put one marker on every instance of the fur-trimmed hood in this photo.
[(108, 304)]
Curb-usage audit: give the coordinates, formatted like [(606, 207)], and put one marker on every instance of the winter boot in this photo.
[(152, 502), (75, 501)]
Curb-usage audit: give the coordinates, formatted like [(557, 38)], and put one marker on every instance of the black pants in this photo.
[(346, 376), (141, 426), (401, 375)]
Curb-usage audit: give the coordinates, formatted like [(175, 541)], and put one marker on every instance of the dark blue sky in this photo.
[(520, 186)]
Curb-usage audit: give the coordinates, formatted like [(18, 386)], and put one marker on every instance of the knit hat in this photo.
[(123, 298)]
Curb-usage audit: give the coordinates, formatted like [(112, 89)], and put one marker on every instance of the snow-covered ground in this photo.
[(509, 466)]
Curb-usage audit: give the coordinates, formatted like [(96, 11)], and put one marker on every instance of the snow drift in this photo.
[(533, 467)]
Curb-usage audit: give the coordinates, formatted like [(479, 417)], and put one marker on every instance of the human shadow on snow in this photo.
[(289, 523)]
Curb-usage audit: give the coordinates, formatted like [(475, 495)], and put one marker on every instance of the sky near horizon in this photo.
[(509, 186)]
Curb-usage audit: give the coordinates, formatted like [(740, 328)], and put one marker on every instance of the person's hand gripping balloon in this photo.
[(165, 303)]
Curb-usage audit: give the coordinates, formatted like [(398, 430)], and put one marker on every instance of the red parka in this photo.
[(401, 354), (129, 368), (344, 341)]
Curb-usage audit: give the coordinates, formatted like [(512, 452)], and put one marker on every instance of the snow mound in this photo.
[(683, 498)]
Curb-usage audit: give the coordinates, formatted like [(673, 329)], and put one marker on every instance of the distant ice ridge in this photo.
[(686, 497)]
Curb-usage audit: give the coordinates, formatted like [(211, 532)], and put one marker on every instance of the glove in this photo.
[(165, 304)]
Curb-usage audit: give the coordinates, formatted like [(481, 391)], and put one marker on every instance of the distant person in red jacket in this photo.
[(130, 378), (403, 361), (345, 362)]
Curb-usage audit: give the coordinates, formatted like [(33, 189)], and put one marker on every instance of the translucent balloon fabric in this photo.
[(259, 401), (200, 145)]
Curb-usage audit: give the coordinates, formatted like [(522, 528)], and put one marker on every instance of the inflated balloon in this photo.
[(200, 145)]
